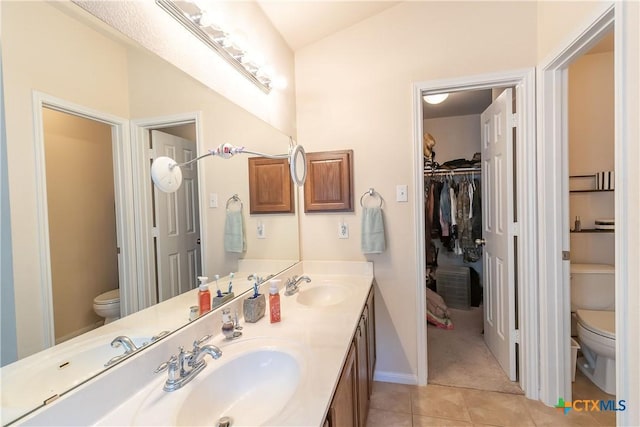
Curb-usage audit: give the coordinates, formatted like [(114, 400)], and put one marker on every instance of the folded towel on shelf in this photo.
[(373, 241), (234, 240)]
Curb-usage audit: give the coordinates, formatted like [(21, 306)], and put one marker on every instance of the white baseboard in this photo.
[(394, 377), (79, 332)]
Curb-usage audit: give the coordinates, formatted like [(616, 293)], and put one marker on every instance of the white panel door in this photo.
[(177, 221), (497, 218)]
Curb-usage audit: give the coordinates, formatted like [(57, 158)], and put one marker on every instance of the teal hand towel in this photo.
[(234, 240), (373, 241)]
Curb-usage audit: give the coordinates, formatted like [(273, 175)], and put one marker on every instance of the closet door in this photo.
[(497, 218)]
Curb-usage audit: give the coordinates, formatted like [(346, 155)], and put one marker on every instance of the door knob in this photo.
[(480, 242)]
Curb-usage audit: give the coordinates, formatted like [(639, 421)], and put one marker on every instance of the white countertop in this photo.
[(323, 334)]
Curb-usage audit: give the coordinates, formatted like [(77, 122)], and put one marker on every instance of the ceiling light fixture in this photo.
[(230, 45), (436, 99)]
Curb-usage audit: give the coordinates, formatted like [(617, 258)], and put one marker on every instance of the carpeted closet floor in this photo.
[(459, 357)]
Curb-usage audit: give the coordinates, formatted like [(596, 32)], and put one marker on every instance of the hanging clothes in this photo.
[(453, 212)]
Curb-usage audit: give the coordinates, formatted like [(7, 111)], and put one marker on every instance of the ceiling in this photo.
[(459, 104), (304, 22)]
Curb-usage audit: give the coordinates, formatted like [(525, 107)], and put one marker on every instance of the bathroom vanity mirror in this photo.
[(56, 54)]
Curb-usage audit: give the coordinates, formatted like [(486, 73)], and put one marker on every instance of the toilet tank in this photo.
[(592, 287)]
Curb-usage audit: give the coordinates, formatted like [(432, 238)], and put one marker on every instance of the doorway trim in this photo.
[(554, 223), (524, 81), (123, 194), (143, 295)]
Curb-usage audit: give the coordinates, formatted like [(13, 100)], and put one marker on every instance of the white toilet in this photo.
[(107, 305), (593, 302)]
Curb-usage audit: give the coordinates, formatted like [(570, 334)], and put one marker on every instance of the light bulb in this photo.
[(238, 40), (436, 99)]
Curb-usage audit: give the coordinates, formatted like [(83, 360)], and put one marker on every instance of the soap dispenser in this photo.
[(204, 296), (274, 301)]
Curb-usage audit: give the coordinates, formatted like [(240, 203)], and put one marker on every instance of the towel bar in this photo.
[(373, 193), (234, 199)]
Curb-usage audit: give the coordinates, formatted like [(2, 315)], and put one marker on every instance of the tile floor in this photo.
[(435, 405)]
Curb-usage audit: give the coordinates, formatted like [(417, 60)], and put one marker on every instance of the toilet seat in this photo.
[(602, 323), (109, 297)]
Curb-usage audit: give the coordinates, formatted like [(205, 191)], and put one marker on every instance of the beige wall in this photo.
[(558, 20), (354, 90), (457, 137), (591, 149), (82, 219)]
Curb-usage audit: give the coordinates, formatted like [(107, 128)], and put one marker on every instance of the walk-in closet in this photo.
[(453, 206)]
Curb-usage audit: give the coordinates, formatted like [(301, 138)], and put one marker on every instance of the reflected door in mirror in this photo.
[(177, 221)]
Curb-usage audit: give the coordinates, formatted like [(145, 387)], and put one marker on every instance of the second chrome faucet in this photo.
[(293, 284)]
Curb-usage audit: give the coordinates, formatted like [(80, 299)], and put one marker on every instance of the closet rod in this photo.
[(458, 171)]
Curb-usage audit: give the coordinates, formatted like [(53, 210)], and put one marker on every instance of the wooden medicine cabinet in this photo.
[(270, 188), (329, 184)]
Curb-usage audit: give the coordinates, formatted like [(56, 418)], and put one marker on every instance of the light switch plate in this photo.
[(343, 230), (213, 200), (401, 193)]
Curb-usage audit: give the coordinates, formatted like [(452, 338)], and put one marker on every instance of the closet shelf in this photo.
[(592, 230), (457, 171)]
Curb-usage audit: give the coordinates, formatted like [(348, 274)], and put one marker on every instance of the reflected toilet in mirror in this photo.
[(107, 305)]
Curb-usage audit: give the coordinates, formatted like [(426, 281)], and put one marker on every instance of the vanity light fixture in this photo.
[(167, 175), (436, 99), (231, 46)]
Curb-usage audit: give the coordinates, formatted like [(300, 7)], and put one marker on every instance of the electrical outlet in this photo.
[(343, 230), (261, 229), (213, 200)]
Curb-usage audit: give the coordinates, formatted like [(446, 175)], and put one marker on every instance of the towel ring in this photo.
[(234, 199), (372, 193)]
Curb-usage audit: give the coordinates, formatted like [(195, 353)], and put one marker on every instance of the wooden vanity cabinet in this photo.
[(362, 356), (371, 337), (350, 404), (343, 411)]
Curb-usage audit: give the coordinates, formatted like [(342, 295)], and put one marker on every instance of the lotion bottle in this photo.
[(204, 296), (274, 301)]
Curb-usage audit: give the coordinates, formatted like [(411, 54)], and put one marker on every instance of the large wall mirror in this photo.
[(85, 109)]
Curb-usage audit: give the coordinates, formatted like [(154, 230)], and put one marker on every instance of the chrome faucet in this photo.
[(127, 344), (258, 278), (124, 341), (293, 284), (187, 364)]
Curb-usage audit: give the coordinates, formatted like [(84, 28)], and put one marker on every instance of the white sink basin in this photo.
[(322, 294), (252, 387)]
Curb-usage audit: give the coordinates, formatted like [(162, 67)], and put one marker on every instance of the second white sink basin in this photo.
[(323, 294)]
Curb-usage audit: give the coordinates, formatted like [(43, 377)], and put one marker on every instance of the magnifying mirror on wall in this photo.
[(298, 165), (167, 175)]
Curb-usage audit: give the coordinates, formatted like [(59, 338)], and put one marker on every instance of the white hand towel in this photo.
[(234, 240), (373, 241)]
